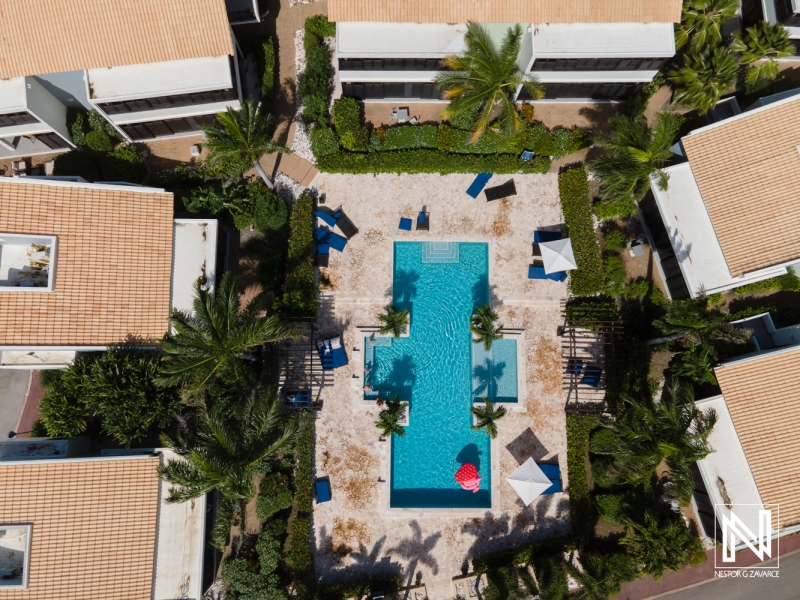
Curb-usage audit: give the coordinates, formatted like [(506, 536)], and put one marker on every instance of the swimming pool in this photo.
[(432, 368), (494, 373)]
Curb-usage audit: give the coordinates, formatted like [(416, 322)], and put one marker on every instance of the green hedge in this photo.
[(573, 187), (788, 282), (405, 137), (320, 26), (598, 308), (346, 115), (615, 274), (323, 141), (557, 143), (268, 73), (303, 474), (580, 505), (124, 164), (454, 140), (274, 495), (316, 82), (429, 161), (300, 289), (77, 162), (299, 557)]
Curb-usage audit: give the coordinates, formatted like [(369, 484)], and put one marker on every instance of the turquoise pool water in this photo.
[(432, 368), (494, 373)]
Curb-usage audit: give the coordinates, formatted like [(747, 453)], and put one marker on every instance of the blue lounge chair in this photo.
[(405, 224), (337, 242), (591, 376), (323, 248), (321, 234), (574, 367), (527, 155), (330, 357), (327, 218), (546, 236), (300, 398), (424, 221), (322, 489), (536, 272), (553, 473), (477, 186)]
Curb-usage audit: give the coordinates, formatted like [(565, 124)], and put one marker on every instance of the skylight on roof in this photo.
[(15, 550), (27, 262)]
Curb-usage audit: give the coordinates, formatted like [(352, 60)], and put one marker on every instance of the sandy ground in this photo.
[(357, 531)]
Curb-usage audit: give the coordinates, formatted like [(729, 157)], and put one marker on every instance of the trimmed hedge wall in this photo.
[(404, 137), (361, 589), (300, 290), (316, 82), (303, 475), (788, 282), (455, 140), (580, 504), (573, 187), (429, 161)]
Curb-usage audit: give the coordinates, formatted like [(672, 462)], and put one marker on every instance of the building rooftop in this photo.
[(113, 263), (603, 40), (760, 394), (50, 36), (747, 168), (506, 11)]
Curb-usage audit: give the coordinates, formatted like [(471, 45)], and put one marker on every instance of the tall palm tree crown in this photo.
[(483, 326), (485, 79), (704, 77), (389, 418), (393, 321), (217, 340), (239, 139), (700, 322), (486, 417), (657, 544), (763, 40), (701, 22), (225, 454), (631, 153)]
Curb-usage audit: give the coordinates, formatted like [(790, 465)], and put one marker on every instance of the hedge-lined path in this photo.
[(297, 168)]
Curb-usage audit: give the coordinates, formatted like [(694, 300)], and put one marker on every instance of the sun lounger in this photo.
[(321, 260), (545, 236), (553, 473), (424, 221), (501, 191), (321, 234), (592, 375), (537, 272), (574, 367), (298, 398), (345, 225), (477, 186), (327, 218), (331, 353), (336, 241), (527, 155), (322, 490), (405, 224)]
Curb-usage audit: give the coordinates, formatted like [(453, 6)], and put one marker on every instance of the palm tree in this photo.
[(389, 418), (239, 139), (699, 322), (217, 340), (704, 78), (631, 153), (484, 328), (696, 364), (393, 321), (646, 433), (224, 453), (597, 580), (763, 40), (657, 544), (485, 79), (487, 417), (701, 21)]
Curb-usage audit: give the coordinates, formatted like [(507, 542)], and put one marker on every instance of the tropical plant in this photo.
[(704, 78), (701, 22), (239, 139), (597, 579), (657, 544), (487, 417), (483, 326), (485, 79), (393, 320), (699, 321), (631, 153), (696, 364), (224, 453), (646, 433), (217, 339), (765, 42), (389, 418)]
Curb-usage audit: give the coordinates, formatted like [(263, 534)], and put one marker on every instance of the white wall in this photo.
[(47, 108)]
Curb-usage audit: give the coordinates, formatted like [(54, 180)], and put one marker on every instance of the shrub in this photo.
[(251, 575), (315, 83), (429, 161), (615, 240), (77, 163), (78, 125), (268, 73), (268, 208), (579, 428), (124, 164), (573, 187), (613, 209), (323, 141), (321, 26), (361, 588), (99, 123), (632, 503), (274, 495), (788, 282), (615, 275), (527, 112), (450, 139), (98, 140), (300, 291), (346, 114), (303, 475), (465, 119), (598, 308), (636, 104), (405, 137), (299, 558)]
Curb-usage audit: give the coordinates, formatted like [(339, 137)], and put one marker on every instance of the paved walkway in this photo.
[(13, 388)]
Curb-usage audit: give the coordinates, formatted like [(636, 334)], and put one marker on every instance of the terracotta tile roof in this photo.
[(506, 11), (113, 264), (746, 170), (48, 36), (94, 527), (761, 395)]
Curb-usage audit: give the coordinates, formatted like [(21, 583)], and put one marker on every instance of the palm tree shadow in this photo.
[(485, 378), (337, 563), (404, 287), (417, 551), (400, 379)]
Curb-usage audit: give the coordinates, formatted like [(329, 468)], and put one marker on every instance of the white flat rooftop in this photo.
[(419, 40), (726, 469), (160, 79), (12, 95), (693, 238), (194, 256), (603, 40)]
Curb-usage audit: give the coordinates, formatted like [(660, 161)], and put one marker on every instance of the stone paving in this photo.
[(357, 532)]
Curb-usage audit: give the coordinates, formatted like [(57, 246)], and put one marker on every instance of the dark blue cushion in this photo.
[(329, 220), (477, 186), (405, 224), (321, 234), (546, 236), (323, 490), (323, 248), (337, 242)]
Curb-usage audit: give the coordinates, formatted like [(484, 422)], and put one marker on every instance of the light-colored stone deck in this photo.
[(356, 532)]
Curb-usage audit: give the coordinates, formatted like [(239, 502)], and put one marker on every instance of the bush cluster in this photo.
[(615, 274), (299, 558), (450, 139), (253, 574), (555, 143), (124, 164), (404, 137), (323, 141), (573, 187), (316, 81), (274, 495), (77, 163), (579, 427), (300, 290), (346, 115), (243, 205), (788, 282), (303, 473), (99, 141)]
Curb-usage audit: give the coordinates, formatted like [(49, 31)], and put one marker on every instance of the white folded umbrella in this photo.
[(557, 256), (529, 481)]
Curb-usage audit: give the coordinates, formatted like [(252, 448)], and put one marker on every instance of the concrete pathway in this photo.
[(13, 389)]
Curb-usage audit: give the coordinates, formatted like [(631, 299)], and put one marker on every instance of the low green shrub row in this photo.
[(323, 141), (346, 116), (783, 316), (303, 473), (299, 557), (596, 309), (300, 289), (316, 82), (361, 589), (268, 72), (555, 143), (274, 495), (429, 161), (615, 274), (579, 427), (450, 139), (573, 188), (788, 282), (253, 573), (404, 137), (320, 26)]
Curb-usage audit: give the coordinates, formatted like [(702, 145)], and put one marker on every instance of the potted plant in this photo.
[(393, 321)]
